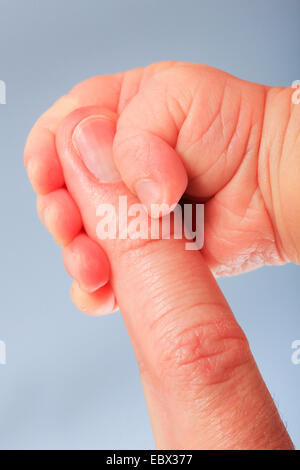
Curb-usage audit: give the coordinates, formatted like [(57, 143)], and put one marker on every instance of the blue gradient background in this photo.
[(72, 381)]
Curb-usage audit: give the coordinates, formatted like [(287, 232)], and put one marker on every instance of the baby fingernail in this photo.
[(93, 139)]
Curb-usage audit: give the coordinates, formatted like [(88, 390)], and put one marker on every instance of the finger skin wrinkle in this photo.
[(134, 80), (160, 103), (195, 137), (130, 87), (130, 251), (281, 156), (277, 170), (154, 107), (163, 319), (176, 112), (205, 353), (179, 101), (230, 208), (216, 152)]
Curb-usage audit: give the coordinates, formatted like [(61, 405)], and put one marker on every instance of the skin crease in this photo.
[(234, 145)]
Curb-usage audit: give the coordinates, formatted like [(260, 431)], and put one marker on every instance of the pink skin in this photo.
[(187, 128), (204, 347), (96, 303), (46, 175), (198, 111), (45, 172), (60, 215), (81, 259)]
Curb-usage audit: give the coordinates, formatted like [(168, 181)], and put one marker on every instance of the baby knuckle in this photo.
[(203, 354)]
